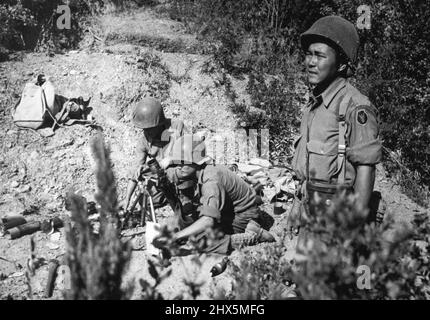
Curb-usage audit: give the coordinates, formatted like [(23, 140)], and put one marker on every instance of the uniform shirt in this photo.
[(223, 194), (158, 149), (319, 135)]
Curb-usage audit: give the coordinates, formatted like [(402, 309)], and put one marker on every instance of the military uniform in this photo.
[(225, 197), (323, 159), (226, 202), (157, 150)]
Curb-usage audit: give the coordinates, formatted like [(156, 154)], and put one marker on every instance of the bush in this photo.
[(334, 244), (32, 24), (14, 19), (261, 275), (97, 261), (340, 241)]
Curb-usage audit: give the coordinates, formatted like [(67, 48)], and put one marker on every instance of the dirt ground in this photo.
[(144, 53)]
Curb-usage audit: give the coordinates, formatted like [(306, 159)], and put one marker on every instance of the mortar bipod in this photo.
[(147, 196), (143, 196)]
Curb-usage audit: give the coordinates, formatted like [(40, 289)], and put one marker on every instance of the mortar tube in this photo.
[(11, 222), (24, 229)]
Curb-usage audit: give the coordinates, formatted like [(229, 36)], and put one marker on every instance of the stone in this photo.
[(25, 188), (260, 162), (14, 184), (51, 206), (34, 155), (46, 132), (52, 246)]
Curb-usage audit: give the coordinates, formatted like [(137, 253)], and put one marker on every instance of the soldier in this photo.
[(339, 142), (159, 134), (227, 203)]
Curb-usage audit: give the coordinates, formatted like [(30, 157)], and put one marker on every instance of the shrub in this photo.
[(32, 24), (261, 275), (334, 244), (340, 241), (97, 262), (169, 248), (14, 19)]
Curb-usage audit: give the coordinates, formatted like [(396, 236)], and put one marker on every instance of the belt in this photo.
[(324, 187)]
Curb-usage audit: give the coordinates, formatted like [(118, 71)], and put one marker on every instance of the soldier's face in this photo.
[(154, 133), (320, 62)]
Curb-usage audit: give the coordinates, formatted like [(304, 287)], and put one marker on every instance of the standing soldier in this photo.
[(339, 142), (159, 134)]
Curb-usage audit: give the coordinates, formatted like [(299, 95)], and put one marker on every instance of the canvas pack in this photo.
[(37, 104)]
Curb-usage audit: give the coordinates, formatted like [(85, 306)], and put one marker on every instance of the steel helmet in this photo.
[(148, 113), (188, 149), (184, 177), (338, 31)]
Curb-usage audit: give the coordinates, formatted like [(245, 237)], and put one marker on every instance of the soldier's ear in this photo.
[(342, 67)]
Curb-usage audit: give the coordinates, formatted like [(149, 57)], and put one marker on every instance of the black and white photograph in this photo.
[(217, 155)]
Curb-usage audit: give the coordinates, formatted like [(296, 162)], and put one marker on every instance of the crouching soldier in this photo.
[(227, 204), (156, 142)]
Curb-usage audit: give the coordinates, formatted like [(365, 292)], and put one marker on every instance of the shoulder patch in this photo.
[(362, 117)]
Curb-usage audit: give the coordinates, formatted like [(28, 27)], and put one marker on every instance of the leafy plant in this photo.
[(172, 249), (332, 246), (339, 240), (262, 275)]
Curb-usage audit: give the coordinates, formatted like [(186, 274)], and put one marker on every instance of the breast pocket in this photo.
[(322, 160), (318, 147)]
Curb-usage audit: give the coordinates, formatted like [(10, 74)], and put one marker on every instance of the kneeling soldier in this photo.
[(227, 203)]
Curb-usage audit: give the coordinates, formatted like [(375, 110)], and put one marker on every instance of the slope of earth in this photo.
[(143, 54), (36, 172)]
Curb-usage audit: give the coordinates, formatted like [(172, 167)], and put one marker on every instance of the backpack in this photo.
[(37, 104)]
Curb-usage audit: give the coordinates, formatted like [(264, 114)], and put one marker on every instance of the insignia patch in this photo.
[(362, 117)]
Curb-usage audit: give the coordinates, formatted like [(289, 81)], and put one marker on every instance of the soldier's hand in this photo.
[(293, 222), (160, 242), (142, 170)]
